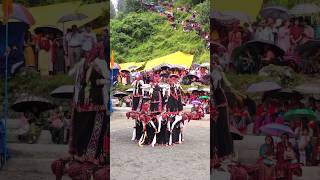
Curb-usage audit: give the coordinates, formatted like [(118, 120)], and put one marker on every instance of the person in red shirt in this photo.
[(296, 34)]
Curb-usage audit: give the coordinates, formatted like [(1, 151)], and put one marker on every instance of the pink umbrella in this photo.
[(274, 129), (21, 13)]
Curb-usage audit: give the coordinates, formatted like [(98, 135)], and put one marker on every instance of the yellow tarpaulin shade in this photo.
[(177, 58), (250, 7), (128, 66), (49, 15)]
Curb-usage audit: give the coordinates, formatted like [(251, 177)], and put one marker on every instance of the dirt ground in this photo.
[(187, 161)]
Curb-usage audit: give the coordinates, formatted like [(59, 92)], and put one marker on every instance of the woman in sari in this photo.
[(266, 161)]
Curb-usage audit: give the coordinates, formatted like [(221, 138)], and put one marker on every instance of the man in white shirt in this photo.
[(89, 39), (74, 40)]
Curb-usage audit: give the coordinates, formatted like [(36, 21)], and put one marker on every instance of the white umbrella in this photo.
[(192, 89), (309, 88), (275, 12), (263, 87), (302, 9)]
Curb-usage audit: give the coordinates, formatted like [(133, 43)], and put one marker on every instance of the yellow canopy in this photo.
[(49, 15), (128, 66), (250, 7), (99, 30), (177, 58)]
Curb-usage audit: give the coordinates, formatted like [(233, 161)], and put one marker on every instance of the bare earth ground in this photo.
[(187, 161)]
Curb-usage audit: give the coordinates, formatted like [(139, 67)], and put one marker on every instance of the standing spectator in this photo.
[(296, 34), (59, 65), (284, 36), (30, 60), (74, 40), (89, 39), (44, 57)]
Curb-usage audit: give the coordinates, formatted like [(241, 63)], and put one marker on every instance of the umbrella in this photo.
[(243, 17), (304, 9), (72, 17), (261, 43), (30, 102), (191, 76), (308, 47), (275, 12), (206, 65), (283, 94), (192, 89), (21, 13), (204, 97), (174, 75), (224, 18), (263, 87), (119, 94), (65, 91), (47, 30), (274, 129), (196, 102), (130, 90), (205, 89), (165, 75), (309, 88), (300, 113), (235, 133)]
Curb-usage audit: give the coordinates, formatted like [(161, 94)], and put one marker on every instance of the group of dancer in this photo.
[(157, 110)]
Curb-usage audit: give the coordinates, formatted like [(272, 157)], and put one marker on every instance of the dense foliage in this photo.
[(144, 36)]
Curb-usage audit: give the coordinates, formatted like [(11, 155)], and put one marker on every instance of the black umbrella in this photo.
[(65, 91), (72, 17), (31, 102), (308, 47), (275, 12), (260, 44), (119, 94), (47, 30), (191, 76), (283, 94)]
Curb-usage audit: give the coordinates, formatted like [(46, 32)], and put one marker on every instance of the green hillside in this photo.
[(144, 36)]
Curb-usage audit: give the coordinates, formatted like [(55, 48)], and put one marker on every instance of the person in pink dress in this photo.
[(284, 36)]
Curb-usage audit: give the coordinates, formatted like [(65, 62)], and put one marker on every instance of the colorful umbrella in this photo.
[(21, 13), (195, 102), (204, 97), (300, 113), (275, 129)]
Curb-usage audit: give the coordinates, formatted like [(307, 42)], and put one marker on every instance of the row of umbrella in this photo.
[(274, 12), (265, 86)]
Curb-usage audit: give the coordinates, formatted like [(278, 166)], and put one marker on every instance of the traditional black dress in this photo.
[(89, 114), (163, 135), (172, 105), (137, 95), (179, 100), (220, 134), (139, 129), (156, 99)]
